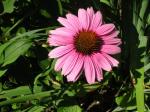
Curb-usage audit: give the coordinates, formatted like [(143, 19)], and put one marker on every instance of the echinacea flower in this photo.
[(84, 44)]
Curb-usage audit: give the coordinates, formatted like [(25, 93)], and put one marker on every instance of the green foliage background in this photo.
[(28, 82)]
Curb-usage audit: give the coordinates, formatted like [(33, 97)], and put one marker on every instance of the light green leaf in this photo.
[(8, 6), (119, 109), (73, 108), (2, 72), (107, 2), (147, 67), (37, 109)]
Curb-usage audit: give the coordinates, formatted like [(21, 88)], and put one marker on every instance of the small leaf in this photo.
[(45, 13), (8, 6), (107, 2), (73, 108)]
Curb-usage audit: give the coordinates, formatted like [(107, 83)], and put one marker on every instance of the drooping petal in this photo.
[(103, 62), (96, 21), (60, 62), (113, 61), (98, 70), (74, 75), (105, 29), (83, 18), (70, 63), (89, 70), (110, 49), (99, 74), (60, 51)]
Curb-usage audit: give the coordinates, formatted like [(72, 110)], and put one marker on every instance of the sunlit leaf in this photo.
[(8, 6), (72, 108)]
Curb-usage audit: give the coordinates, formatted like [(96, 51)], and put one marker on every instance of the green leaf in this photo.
[(148, 19), (91, 87), (37, 109), (119, 109), (22, 90), (15, 49), (45, 13), (2, 47), (8, 6), (107, 2), (127, 101), (72, 108), (2, 72)]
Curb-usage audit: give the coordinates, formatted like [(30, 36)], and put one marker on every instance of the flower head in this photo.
[(84, 44)]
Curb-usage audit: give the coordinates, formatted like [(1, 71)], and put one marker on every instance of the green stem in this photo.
[(60, 7), (143, 41), (18, 22)]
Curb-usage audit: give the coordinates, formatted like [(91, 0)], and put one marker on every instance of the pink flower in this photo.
[(84, 44)]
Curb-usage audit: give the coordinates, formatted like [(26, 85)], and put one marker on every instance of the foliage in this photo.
[(28, 82)]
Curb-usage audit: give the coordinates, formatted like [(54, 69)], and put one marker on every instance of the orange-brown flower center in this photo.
[(87, 42)]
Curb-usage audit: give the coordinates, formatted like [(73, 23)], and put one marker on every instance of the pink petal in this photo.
[(90, 12), (70, 63), (110, 36), (75, 73), (83, 18), (52, 42), (99, 73), (60, 62), (65, 23), (102, 62), (113, 61), (56, 40), (63, 32), (73, 20), (110, 49), (105, 29), (97, 21), (116, 41), (89, 70), (60, 51)]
